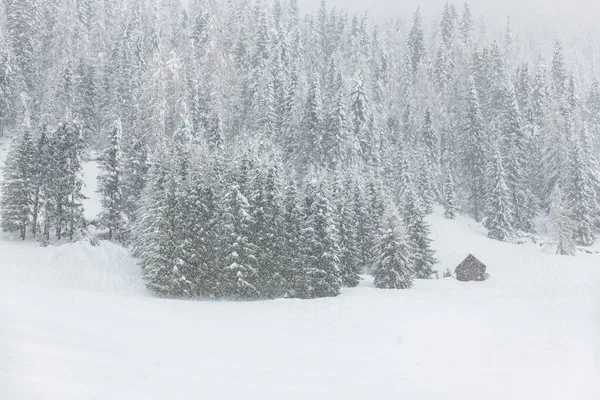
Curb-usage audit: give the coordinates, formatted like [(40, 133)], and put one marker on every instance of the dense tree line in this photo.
[(250, 151), (41, 190)]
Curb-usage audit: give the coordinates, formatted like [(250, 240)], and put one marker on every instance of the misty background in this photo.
[(561, 16)]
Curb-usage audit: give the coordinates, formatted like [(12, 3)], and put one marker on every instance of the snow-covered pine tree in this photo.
[(593, 113), (474, 153), (431, 141), (360, 115), (392, 267), (239, 257), (466, 24), (7, 77), (110, 185), (362, 226), (558, 71), (560, 224), (23, 29), (200, 243), (499, 206), (73, 147), (418, 232), (135, 166), (156, 233), (321, 274), (580, 196), (350, 264), (310, 139), (293, 240), (266, 231), (42, 167), (336, 130), (450, 200), (18, 189), (416, 45), (272, 265)]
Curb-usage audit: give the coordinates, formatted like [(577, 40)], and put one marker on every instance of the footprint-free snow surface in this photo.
[(76, 323)]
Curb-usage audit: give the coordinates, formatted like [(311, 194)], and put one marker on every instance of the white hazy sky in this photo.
[(547, 12)]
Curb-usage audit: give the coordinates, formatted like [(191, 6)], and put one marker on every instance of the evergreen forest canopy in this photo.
[(249, 151)]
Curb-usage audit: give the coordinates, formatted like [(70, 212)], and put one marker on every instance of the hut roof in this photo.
[(470, 261)]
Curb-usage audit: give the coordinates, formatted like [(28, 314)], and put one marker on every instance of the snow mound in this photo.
[(80, 265)]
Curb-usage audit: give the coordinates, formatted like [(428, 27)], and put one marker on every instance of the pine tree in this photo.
[(474, 152), (499, 207), (18, 185), (593, 112), (23, 31), (200, 246), (312, 123), (450, 200), (559, 72), (560, 225), (416, 45), (321, 274), (293, 241), (580, 196), (466, 23), (363, 231), (392, 268), (336, 132), (135, 166), (156, 234), (360, 115), (7, 77), (348, 241), (418, 231), (110, 185), (239, 261)]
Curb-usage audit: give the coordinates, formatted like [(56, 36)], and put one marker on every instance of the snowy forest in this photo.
[(252, 151)]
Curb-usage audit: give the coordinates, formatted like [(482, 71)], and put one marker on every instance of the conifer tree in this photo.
[(348, 241), (293, 240), (560, 225), (17, 187), (360, 115), (416, 44), (321, 274), (499, 207), (200, 245), (580, 196), (110, 184), (239, 260), (312, 123), (157, 234), (474, 152), (418, 231), (135, 166), (392, 268), (450, 201), (336, 131)]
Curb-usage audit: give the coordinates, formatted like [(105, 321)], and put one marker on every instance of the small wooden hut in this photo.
[(471, 269)]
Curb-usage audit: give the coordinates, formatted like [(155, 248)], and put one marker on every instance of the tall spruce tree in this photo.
[(418, 231), (18, 185), (580, 196), (110, 185), (321, 274), (499, 206), (560, 225), (239, 258), (392, 268)]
